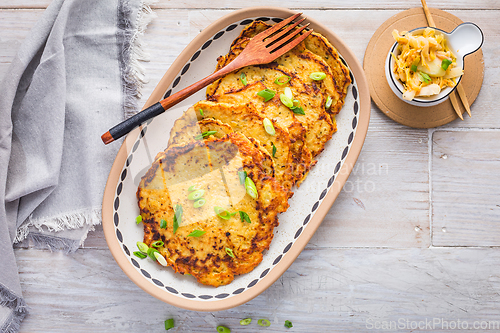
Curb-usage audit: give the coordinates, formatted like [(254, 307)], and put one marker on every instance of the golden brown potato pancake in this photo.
[(226, 247)]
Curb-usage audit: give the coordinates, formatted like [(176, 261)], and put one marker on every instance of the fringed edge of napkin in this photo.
[(131, 54), (133, 72), (19, 310), (68, 221)]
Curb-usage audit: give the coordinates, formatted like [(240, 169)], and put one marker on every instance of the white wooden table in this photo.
[(410, 243)]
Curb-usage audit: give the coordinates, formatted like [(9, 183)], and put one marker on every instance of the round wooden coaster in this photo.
[(384, 97)]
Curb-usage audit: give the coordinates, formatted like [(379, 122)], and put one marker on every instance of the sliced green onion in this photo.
[(243, 79), (204, 135), (286, 101), (138, 219), (414, 65), (177, 217), (282, 80), (151, 253), (268, 126), (199, 203), (195, 195), (288, 324), (161, 259), (251, 188), (274, 149), (163, 224), (264, 322), (142, 247), (139, 254), (328, 103), (223, 329), (287, 97), (196, 233), (244, 217), (229, 252), (201, 113), (169, 323), (245, 321), (158, 243), (298, 110), (424, 77), (242, 175), (223, 213), (267, 94), (317, 76), (192, 188), (445, 64)]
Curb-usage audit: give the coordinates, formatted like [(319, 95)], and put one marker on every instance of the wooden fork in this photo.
[(262, 49)]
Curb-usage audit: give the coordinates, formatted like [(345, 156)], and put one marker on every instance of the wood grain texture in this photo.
[(465, 183), (379, 256), (327, 290)]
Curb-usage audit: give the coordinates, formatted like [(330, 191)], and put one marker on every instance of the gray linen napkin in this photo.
[(74, 77)]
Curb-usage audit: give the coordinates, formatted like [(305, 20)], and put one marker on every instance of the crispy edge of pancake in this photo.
[(301, 155), (318, 123), (187, 127), (316, 43), (245, 119), (273, 199), (187, 134), (297, 60)]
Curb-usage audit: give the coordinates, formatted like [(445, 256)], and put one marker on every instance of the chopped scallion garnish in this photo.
[(242, 175), (287, 97), (142, 247), (139, 254), (160, 258), (158, 243), (288, 324), (274, 149), (177, 217), (268, 126), (138, 219), (196, 233), (229, 252), (328, 103), (251, 188), (192, 188), (264, 322), (195, 195), (201, 113), (163, 224), (199, 203), (298, 110), (244, 217), (267, 94), (204, 135), (245, 321), (151, 253), (243, 79), (223, 329), (223, 213), (424, 77), (445, 64), (282, 80), (317, 76), (169, 323)]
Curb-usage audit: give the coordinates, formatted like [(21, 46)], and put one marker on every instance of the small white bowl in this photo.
[(465, 39)]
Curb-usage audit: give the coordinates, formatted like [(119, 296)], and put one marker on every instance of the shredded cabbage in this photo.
[(418, 64)]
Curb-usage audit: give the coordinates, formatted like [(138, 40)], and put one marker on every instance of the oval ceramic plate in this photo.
[(308, 206)]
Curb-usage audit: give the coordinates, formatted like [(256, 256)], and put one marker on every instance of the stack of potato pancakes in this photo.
[(210, 201)]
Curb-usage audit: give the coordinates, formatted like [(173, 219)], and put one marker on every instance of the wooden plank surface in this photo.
[(325, 290), (465, 183), (380, 256)]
